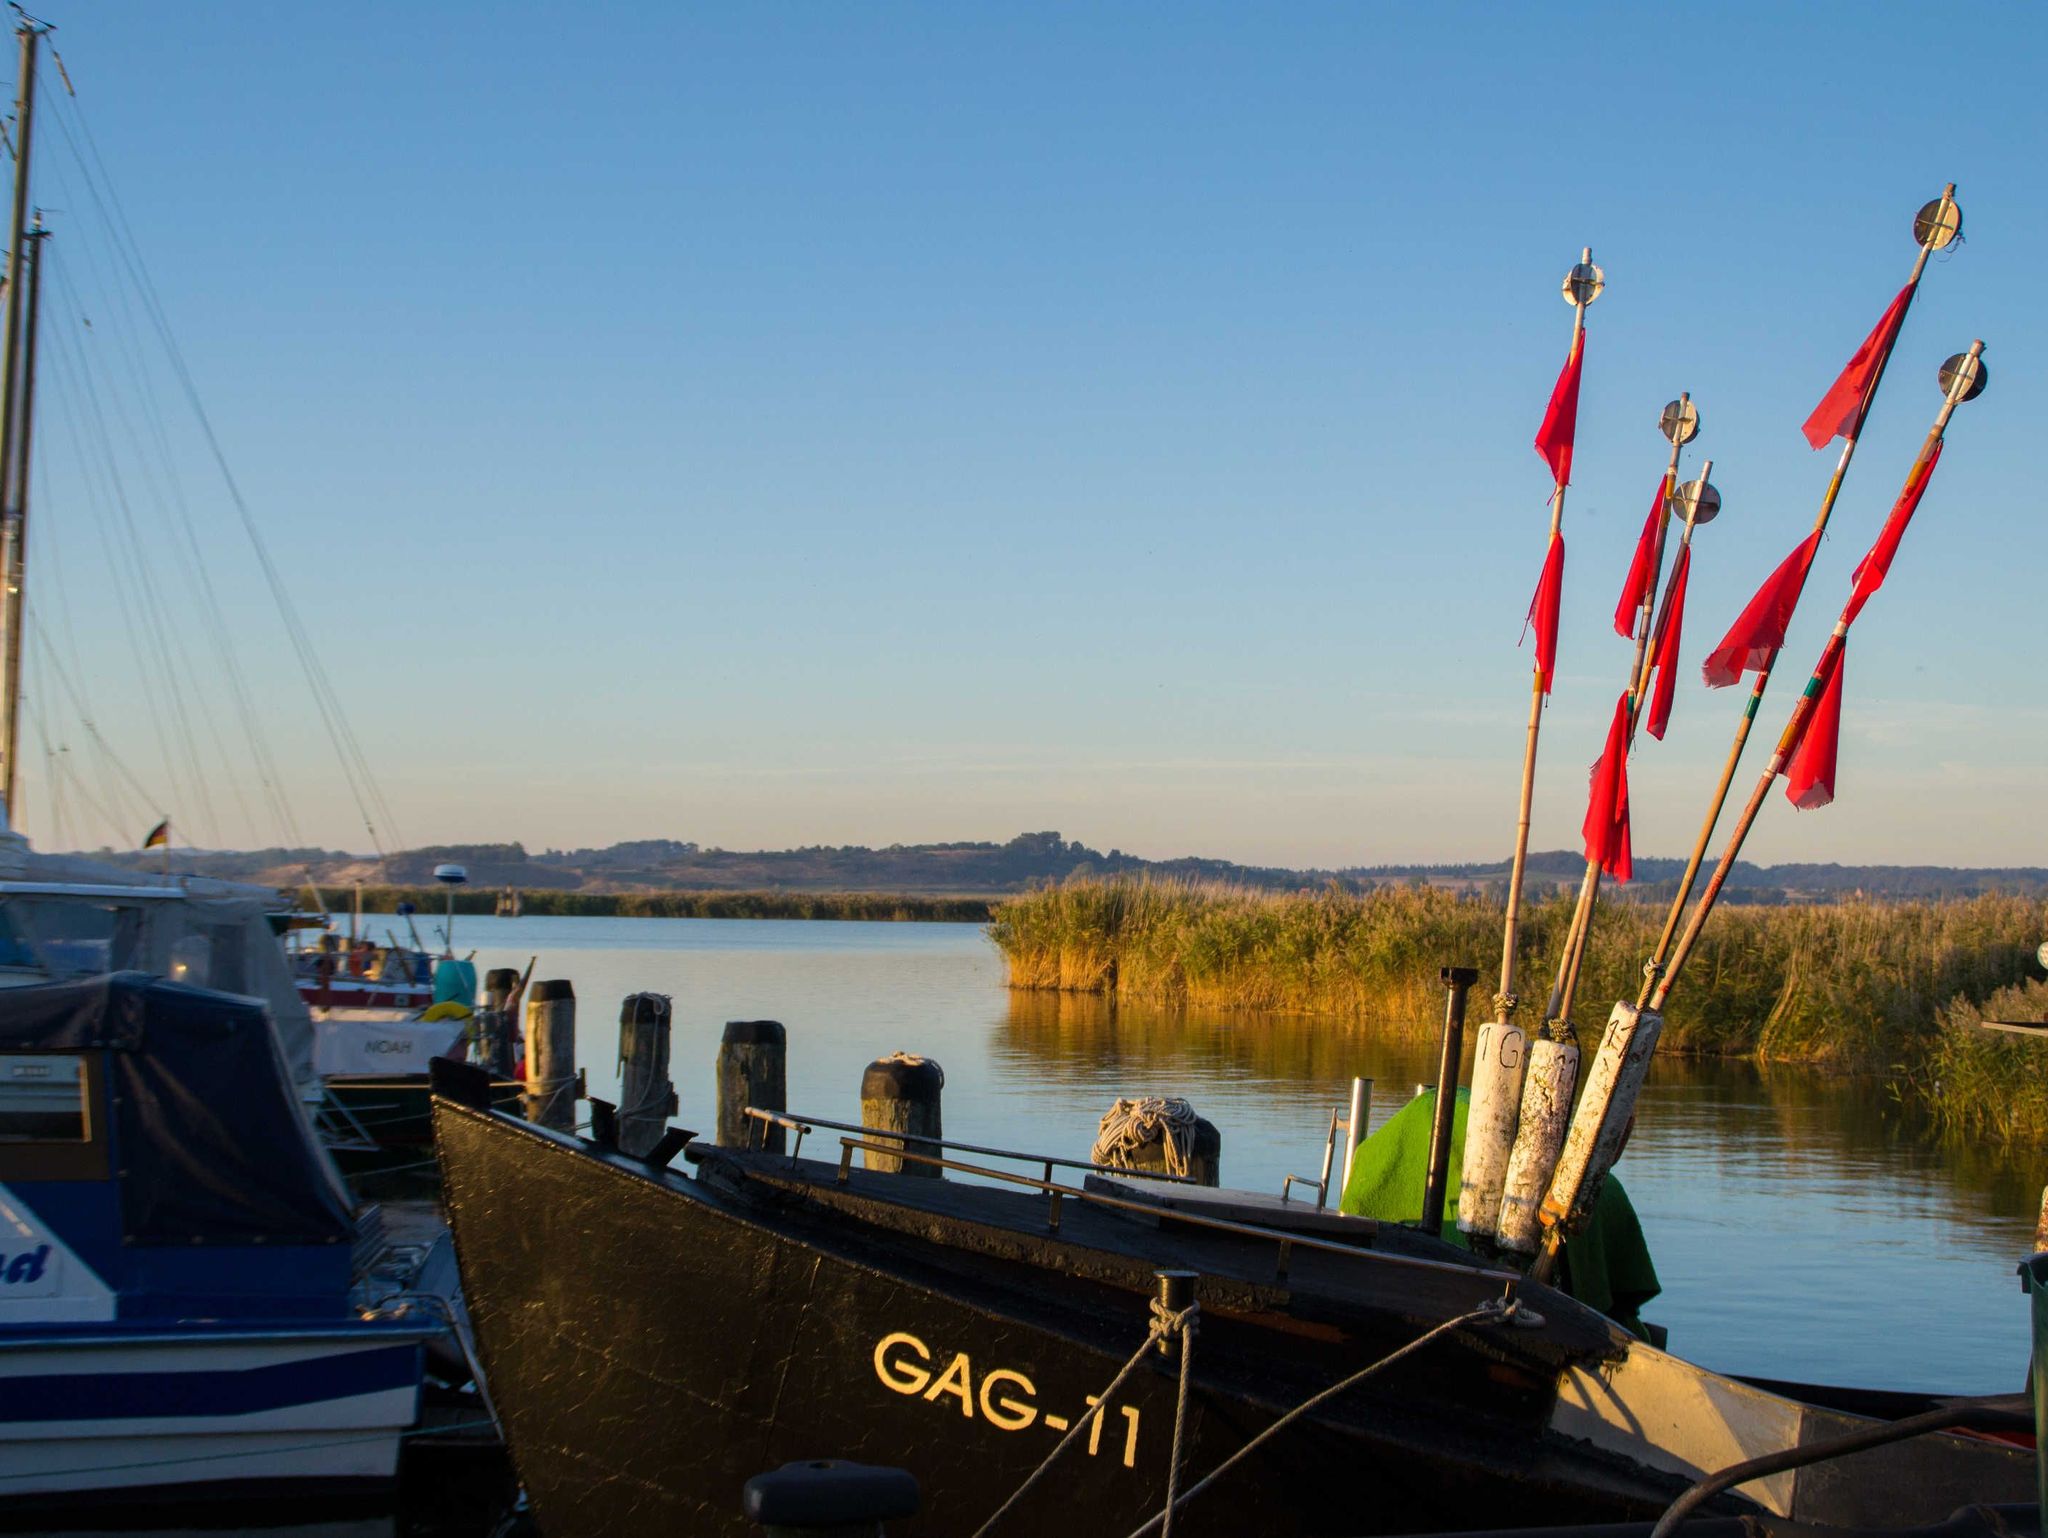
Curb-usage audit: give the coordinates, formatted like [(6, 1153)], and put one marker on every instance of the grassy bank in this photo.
[(1854, 986), (686, 905), (1985, 1086)]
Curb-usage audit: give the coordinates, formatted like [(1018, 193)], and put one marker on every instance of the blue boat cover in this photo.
[(211, 1143)]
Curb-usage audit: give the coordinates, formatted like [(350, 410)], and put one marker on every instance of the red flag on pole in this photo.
[(1561, 417), (1666, 662), (1640, 581), (1840, 412), (1810, 771), (1543, 610), (1753, 640), (1606, 827), (1872, 569)]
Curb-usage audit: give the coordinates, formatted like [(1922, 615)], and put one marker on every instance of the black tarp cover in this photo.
[(212, 1146)]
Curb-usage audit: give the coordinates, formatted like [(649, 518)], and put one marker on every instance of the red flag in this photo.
[(1667, 647), (1606, 827), (1810, 772), (1561, 418), (1840, 412), (1872, 569), (1640, 581), (1753, 640), (1543, 610)]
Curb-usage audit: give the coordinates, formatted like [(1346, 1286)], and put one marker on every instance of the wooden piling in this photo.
[(901, 1093), (495, 1025), (647, 1098), (551, 1055), (753, 1063)]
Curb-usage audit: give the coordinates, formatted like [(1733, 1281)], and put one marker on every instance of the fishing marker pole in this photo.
[(1582, 285), (1962, 378), (1701, 504), (1680, 423), (1937, 225)]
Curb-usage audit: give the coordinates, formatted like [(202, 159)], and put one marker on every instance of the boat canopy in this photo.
[(70, 916), (209, 1138)]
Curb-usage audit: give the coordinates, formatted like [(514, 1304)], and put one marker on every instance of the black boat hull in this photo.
[(652, 1341)]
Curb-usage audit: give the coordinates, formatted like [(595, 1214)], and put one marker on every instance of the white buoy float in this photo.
[(1499, 1058), (1613, 1083), (1546, 1111)]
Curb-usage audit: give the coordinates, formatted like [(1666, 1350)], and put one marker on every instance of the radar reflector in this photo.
[(1698, 502), (1963, 377), (1939, 223), (1583, 283)]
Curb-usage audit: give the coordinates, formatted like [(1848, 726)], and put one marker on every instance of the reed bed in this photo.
[(1850, 986), (1985, 1086)]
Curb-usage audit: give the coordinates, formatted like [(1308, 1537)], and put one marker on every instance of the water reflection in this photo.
[(1802, 1226)]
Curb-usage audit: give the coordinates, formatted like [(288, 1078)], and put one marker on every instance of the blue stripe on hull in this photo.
[(247, 1391)]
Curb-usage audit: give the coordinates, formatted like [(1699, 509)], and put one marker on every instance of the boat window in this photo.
[(71, 937), (43, 1099), (14, 950)]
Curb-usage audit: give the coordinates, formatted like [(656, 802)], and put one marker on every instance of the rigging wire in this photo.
[(145, 664), (368, 796), (173, 666), (149, 803), (197, 570)]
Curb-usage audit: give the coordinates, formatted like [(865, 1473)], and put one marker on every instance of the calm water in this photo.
[(1799, 1229)]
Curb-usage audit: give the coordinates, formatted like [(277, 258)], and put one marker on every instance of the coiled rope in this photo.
[(1130, 1125)]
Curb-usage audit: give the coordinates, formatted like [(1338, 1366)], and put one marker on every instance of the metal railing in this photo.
[(1048, 1162), (1287, 1242)]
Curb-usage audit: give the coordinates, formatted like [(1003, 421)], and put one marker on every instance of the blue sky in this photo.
[(788, 424)]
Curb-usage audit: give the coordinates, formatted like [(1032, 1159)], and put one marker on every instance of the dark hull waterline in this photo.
[(654, 1340)]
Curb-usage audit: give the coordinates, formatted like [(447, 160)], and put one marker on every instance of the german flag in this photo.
[(159, 836)]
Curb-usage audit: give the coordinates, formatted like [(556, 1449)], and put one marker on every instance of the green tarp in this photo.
[(1607, 1267)]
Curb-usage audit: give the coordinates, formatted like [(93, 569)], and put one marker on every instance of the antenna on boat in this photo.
[(16, 390), (1938, 224), (1497, 1053), (450, 876)]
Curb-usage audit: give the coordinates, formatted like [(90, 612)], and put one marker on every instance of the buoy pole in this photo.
[(1680, 424), (1702, 504), (1498, 1054), (1935, 226), (1963, 379)]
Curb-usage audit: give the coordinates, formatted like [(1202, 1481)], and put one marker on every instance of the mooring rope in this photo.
[(1493, 1308), (1130, 1125), (1164, 1325), (1186, 1326)]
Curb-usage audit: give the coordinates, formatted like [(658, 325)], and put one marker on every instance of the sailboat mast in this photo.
[(17, 507), (13, 434)]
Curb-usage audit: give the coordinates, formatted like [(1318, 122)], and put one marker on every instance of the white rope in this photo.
[(1132, 1125)]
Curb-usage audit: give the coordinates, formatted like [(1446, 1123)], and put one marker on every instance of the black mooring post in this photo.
[(1459, 981)]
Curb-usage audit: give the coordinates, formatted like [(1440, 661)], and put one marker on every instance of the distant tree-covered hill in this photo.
[(1030, 859)]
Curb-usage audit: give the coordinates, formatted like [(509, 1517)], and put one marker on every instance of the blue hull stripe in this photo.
[(159, 1395)]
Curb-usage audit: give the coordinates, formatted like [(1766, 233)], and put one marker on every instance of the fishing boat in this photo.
[(1118, 1354), (654, 1337)]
